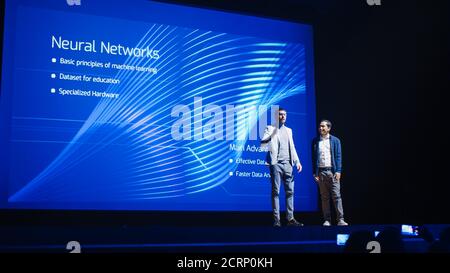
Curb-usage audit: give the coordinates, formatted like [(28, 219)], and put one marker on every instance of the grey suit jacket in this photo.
[(270, 138)]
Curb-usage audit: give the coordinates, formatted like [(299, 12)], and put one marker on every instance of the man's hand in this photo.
[(299, 167), (269, 133), (317, 179), (337, 176)]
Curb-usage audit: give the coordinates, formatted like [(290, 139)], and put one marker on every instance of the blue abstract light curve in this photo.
[(222, 69)]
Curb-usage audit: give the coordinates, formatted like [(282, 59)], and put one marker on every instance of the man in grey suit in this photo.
[(281, 158)]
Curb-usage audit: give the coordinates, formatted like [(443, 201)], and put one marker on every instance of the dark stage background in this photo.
[(381, 73)]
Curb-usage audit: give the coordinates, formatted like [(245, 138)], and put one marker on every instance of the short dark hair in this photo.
[(281, 109), (327, 122)]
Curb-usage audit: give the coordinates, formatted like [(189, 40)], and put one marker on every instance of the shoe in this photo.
[(277, 223), (294, 223), (326, 224), (342, 223)]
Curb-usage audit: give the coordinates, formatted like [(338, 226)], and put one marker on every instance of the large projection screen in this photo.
[(141, 105)]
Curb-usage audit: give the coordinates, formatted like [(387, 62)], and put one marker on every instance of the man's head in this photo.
[(324, 127), (282, 115)]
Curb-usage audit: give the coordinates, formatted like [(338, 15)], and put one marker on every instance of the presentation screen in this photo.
[(142, 105)]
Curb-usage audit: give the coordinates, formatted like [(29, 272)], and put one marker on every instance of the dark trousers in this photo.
[(328, 185)]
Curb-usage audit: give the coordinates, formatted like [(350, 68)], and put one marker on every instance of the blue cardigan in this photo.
[(336, 155)]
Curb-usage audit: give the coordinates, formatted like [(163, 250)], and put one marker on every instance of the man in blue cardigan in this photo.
[(327, 168)]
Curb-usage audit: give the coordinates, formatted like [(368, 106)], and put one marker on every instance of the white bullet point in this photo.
[(53, 60), (53, 76), (231, 173), (53, 90), (231, 160)]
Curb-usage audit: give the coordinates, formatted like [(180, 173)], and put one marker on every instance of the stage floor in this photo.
[(172, 239)]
